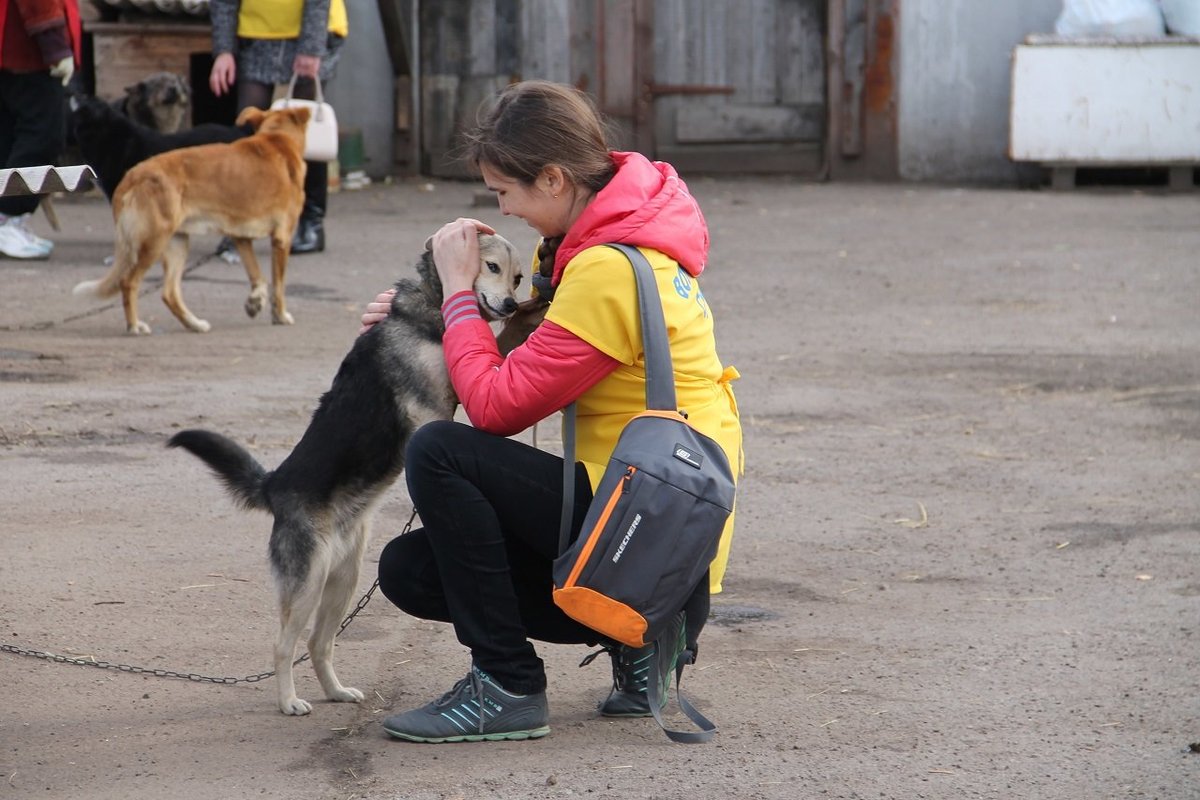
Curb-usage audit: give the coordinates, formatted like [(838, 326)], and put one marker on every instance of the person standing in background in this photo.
[(39, 48), (260, 43)]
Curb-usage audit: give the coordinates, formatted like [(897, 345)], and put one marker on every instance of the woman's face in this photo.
[(536, 203)]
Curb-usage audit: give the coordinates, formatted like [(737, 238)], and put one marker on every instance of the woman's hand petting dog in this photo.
[(377, 310), (455, 249)]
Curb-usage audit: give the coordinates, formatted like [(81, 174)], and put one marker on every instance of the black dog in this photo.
[(111, 143)]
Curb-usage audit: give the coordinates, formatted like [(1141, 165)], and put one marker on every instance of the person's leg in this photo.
[(253, 93), (32, 133), (491, 509), (310, 230), (409, 578)]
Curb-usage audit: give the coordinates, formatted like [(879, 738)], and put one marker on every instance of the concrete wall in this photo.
[(955, 85), (362, 91)]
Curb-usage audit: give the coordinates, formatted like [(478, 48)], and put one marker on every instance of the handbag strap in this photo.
[(320, 94), (660, 376)]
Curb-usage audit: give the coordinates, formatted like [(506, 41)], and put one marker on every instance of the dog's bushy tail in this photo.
[(104, 287), (242, 475)]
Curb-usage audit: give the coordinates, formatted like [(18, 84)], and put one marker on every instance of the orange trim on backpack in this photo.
[(590, 545), (603, 614)]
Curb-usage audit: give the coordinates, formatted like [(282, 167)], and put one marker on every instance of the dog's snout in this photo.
[(510, 306)]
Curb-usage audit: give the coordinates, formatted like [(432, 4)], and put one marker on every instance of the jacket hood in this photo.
[(646, 204)]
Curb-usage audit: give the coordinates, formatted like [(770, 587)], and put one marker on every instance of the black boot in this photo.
[(309, 236), (310, 231)]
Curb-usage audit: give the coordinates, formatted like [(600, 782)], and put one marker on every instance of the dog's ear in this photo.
[(251, 116), (301, 115), (135, 90)]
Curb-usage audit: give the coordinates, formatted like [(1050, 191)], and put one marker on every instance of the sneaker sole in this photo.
[(535, 733), (39, 256)]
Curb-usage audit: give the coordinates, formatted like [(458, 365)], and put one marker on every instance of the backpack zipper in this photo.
[(586, 554)]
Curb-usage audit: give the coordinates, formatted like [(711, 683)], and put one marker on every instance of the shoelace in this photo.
[(476, 684), (618, 661)]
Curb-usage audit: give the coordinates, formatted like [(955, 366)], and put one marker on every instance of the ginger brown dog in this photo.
[(246, 190)]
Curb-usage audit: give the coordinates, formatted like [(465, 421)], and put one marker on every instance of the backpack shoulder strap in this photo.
[(666, 647), (660, 376)]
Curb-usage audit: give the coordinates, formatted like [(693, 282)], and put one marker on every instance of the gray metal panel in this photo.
[(44, 180), (545, 37)]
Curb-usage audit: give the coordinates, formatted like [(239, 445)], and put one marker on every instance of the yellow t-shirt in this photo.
[(280, 19), (596, 300)]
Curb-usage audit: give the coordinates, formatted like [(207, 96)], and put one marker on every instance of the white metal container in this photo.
[(1106, 102)]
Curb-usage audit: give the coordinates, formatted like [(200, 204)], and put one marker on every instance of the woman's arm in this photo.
[(507, 395)]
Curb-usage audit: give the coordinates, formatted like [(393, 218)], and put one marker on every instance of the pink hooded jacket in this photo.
[(646, 204)]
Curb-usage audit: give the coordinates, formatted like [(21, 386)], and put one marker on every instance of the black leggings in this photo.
[(32, 128), (491, 508), (316, 178)]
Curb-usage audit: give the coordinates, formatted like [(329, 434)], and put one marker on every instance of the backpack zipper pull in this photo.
[(627, 479)]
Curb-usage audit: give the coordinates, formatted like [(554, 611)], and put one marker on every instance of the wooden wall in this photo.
[(693, 81)]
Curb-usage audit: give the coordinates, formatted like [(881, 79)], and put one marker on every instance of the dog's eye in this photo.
[(517, 281), (493, 267)]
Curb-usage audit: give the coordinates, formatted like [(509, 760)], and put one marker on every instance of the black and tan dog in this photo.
[(323, 495), (160, 101), (246, 190)]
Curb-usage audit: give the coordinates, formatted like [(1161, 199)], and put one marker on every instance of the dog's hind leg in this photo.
[(280, 247), (174, 259), (339, 589), (298, 598), (143, 257), (258, 285)]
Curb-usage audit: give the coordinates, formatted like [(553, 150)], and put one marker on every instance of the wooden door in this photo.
[(717, 86)]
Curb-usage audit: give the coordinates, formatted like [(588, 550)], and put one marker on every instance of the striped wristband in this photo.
[(459, 308)]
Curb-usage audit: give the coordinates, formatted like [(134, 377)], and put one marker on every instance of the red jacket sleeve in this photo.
[(507, 395)]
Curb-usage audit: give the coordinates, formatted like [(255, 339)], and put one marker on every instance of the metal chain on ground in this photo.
[(150, 286), (190, 676)]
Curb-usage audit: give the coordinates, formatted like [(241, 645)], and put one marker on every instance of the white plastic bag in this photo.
[(1182, 16), (1121, 19)]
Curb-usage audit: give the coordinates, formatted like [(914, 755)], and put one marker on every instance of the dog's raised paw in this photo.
[(139, 328), (282, 318), (295, 707)]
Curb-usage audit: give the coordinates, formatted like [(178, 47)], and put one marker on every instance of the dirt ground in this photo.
[(969, 530)]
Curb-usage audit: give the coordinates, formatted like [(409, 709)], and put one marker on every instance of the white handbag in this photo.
[(321, 137)]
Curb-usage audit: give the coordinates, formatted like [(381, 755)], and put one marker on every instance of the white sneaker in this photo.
[(17, 241)]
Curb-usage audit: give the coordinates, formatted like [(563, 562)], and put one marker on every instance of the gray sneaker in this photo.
[(476, 709)]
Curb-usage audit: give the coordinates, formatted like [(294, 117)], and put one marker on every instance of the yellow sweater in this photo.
[(280, 19)]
